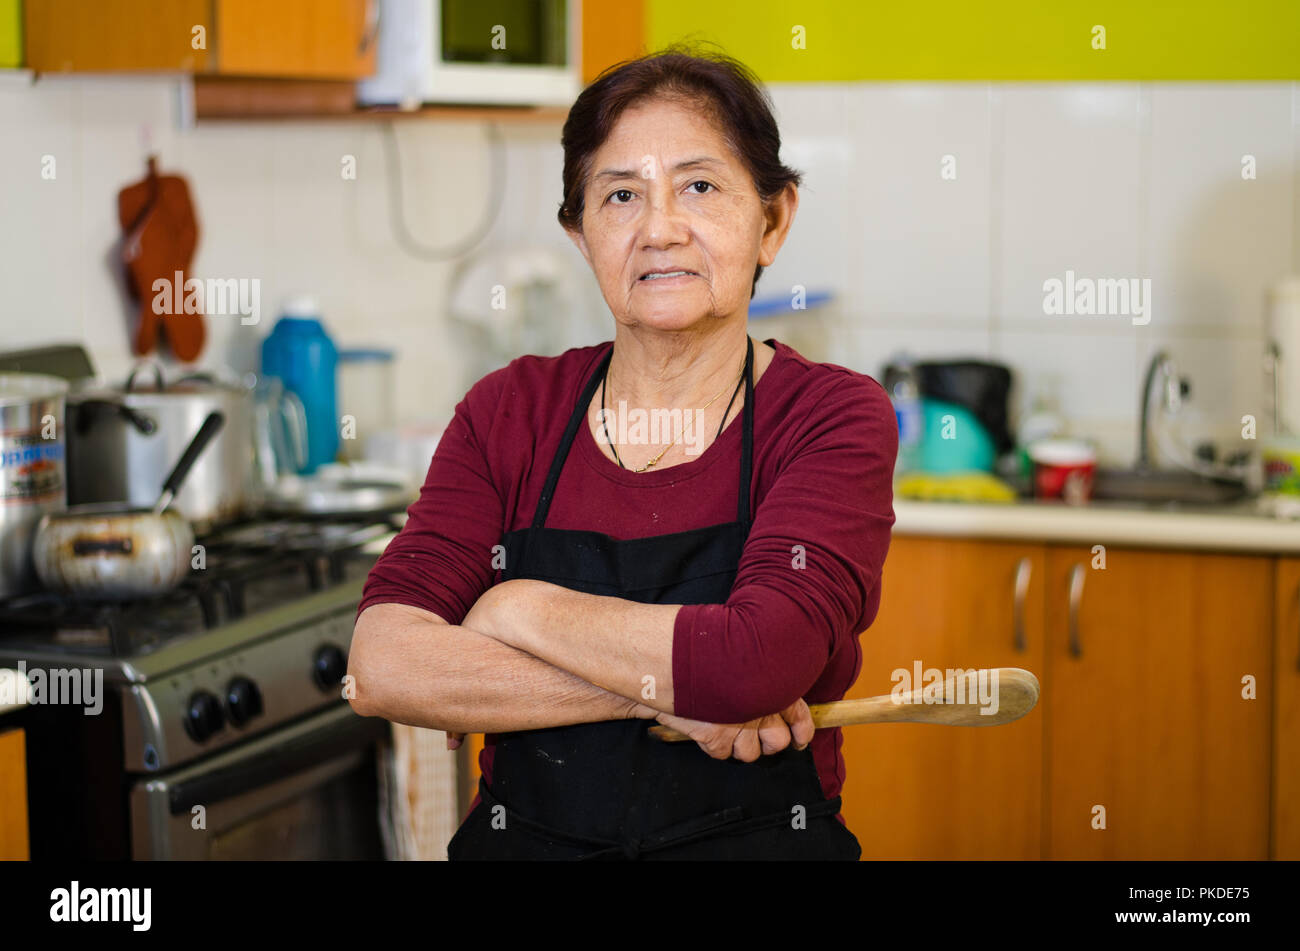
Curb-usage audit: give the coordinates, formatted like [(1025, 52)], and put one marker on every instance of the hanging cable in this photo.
[(397, 208)]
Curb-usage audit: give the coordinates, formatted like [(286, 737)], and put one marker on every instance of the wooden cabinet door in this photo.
[(305, 39), (111, 35), (1147, 720), (612, 31), (1286, 712), (13, 796), (941, 792)]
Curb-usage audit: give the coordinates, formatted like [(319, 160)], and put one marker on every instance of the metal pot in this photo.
[(31, 469), (121, 439), (115, 551)]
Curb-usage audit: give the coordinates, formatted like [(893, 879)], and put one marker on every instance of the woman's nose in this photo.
[(663, 222)]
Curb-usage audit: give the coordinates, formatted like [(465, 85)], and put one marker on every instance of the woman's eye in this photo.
[(621, 191), (701, 182)]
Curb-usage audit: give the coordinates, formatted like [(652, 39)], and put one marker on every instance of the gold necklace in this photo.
[(656, 459)]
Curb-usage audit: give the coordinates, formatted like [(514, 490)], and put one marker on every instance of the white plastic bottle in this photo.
[(906, 395)]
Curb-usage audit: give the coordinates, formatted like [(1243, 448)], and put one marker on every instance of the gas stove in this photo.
[(242, 664), (254, 637), (239, 571)]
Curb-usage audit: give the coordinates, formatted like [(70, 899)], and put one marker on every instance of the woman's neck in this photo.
[(652, 369)]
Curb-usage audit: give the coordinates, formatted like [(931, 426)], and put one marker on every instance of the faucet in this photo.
[(1175, 388)]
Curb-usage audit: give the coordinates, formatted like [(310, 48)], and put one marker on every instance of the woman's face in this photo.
[(666, 194)]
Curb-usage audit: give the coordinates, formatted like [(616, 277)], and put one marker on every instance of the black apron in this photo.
[(611, 790)]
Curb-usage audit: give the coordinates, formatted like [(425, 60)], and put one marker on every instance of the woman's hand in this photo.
[(747, 741)]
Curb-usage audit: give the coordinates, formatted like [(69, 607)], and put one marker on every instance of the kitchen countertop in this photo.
[(1239, 527)]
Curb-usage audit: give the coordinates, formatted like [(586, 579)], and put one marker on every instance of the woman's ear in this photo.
[(579, 242), (778, 216)]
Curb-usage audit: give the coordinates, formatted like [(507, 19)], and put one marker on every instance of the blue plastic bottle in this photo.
[(302, 355)]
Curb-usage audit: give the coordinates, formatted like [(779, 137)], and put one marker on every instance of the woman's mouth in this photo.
[(671, 277)]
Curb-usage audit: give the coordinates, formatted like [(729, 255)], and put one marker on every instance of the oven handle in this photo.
[(278, 760)]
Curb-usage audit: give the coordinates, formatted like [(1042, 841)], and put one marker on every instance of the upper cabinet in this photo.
[(115, 35), (612, 31), (302, 39)]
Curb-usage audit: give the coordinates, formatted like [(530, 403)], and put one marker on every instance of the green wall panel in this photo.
[(980, 39)]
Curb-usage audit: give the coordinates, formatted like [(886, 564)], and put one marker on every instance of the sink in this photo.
[(1164, 485)]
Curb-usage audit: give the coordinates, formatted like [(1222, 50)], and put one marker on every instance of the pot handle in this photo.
[(145, 425), (103, 546), (207, 432), (202, 376), (155, 366), (295, 424)]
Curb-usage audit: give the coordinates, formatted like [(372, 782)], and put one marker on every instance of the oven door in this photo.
[(307, 791)]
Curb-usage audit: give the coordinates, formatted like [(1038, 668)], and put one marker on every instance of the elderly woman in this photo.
[(570, 574)]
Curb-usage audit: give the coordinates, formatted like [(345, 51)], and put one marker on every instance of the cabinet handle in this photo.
[(1023, 567), (1076, 598)]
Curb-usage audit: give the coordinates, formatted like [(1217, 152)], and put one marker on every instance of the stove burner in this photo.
[(246, 568)]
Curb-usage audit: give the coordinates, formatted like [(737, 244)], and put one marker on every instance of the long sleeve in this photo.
[(441, 561), (809, 579)]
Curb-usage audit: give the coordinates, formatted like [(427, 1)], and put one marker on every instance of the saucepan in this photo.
[(113, 551)]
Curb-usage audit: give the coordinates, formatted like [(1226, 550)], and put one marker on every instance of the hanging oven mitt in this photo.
[(160, 234)]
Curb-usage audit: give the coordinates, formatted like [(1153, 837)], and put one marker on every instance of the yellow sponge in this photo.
[(972, 486)]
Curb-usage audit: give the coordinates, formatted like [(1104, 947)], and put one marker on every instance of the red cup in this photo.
[(1063, 469)]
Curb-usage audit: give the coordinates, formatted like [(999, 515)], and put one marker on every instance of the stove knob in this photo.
[(243, 700), (328, 667), (203, 717)]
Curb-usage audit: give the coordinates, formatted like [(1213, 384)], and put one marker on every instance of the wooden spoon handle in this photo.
[(974, 697)]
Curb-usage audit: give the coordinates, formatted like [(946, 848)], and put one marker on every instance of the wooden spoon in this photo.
[(1011, 693)]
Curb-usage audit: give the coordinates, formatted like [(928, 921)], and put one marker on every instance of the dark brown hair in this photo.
[(728, 92)]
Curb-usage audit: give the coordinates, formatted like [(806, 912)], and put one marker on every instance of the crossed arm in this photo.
[(530, 655)]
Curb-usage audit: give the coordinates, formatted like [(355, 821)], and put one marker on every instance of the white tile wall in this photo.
[(922, 240), (1107, 180), (1217, 240)]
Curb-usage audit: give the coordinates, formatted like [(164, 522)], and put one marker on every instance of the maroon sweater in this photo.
[(808, 584)]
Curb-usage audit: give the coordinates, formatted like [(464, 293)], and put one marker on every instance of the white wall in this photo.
[(1110, 180)]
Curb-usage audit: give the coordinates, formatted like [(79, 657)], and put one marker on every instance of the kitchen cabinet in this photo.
[(1144, 707), (1142, 711), (1286, 711), (304, 39), (918, 791), (113, 35), (13, 796), (612, 31)]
